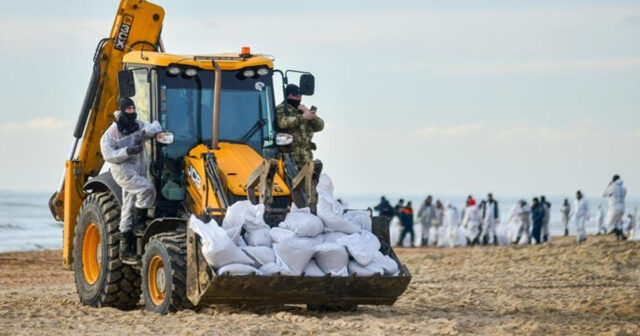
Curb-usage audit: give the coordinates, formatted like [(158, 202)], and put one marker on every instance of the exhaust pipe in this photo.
[(216, 105)]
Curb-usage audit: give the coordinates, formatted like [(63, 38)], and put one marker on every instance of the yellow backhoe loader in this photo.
[(220, 144)]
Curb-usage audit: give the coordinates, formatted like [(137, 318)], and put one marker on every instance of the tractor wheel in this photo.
[(101, 278), (164, 276)]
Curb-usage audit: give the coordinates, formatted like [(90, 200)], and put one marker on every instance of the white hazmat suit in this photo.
[(601, 229), (489, 221), (523, 213), (471, 223), (129, 171), (580, 216), (426, 215), (616, 193), (565, 210)]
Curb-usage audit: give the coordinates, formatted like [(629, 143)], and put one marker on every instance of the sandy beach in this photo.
[(558, 288)]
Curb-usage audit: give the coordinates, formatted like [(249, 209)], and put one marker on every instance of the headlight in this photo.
[(249, 73), (283, 139), (173, 71), (190, 72), (263, 71), (165, 138)]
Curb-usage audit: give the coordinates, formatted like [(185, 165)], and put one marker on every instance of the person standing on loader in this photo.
[(122, 147), (301, 122)]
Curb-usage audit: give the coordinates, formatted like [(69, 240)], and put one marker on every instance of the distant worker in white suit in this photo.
[(580, 216), (565, 210), (600, 228), (426, 215), (616, 192)]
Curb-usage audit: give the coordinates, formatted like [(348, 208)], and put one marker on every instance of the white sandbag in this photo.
[(361, 246), (218, 249), (238, 269), (368, 270), (361, 218), (387, 263), (274, 268), (332, 237), (331, 213), (294, 253), (279, 234), (261, 255), (240, 242), (260, 237), (315, 241), (234, 232), (325, 186), (313, 270), (332, 258), (302, 222), (246, 215)]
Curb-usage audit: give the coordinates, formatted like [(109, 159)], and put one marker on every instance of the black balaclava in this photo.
[(126, 121), (294, 90), (293, 102)]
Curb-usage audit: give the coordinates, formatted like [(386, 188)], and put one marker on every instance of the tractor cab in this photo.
[(178, 92)]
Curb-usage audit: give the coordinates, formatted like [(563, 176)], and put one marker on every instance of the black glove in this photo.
[(136, 149)]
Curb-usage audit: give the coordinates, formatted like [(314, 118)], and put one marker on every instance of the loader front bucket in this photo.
[(204, 287)]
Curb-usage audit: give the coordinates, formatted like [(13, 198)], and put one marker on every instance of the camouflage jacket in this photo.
[(290, 119)]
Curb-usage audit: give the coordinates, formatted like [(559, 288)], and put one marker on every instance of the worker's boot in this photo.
[(127, 245), (139, 221)]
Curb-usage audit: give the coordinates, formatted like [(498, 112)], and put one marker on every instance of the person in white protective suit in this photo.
[(600, 228), (122, 147), (547, 217), (629, 224), (580, 216), (471, 222), (616, 192), (523, 213), (438, 216), (450, 221), (565, 210), (490, 218), (426, 214)]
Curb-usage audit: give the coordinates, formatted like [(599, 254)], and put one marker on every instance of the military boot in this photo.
[(139, 221), (127, 245)]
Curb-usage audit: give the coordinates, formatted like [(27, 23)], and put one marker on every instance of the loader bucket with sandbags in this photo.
[(321, 255), (318, 290)]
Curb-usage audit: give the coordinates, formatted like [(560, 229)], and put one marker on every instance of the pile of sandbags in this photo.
[(335, 242)]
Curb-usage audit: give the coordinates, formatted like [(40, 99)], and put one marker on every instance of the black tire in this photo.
[(118, 284), (171, 248)]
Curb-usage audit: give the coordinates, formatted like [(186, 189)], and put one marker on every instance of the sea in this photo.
[(26, 224)]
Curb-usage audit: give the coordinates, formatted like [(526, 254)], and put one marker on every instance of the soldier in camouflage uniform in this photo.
[(301, 122)]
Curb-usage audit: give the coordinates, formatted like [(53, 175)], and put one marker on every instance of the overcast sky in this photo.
[(456, 97)]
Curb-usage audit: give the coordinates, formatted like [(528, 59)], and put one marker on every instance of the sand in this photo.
[(559, 288)]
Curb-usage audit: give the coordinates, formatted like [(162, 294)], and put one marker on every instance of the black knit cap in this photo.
[(292, 89), (125, 102)]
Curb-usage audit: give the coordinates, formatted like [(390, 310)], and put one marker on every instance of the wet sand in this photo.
[(558, 288)]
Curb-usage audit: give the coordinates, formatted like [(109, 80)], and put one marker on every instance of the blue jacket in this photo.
[(384, 208), (537, 214)]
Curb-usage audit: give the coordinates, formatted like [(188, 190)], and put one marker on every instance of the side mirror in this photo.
[(126, 85), (165, 138), (307, 84)]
